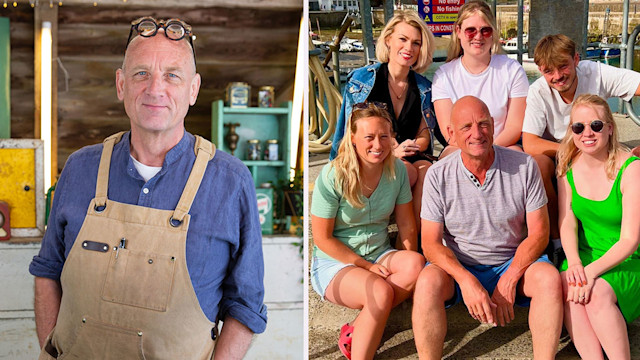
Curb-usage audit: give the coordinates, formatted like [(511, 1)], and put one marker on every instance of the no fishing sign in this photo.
[(440, 14)]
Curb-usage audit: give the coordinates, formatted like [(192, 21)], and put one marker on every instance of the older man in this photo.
[(153, 235), (488, 204)]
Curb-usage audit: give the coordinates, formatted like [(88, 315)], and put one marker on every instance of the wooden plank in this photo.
[(5, 79)]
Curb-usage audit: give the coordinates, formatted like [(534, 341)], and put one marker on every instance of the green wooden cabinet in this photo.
[(255, 123)]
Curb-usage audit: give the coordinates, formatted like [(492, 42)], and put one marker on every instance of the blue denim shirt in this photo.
[(357, 89), (224, 241)]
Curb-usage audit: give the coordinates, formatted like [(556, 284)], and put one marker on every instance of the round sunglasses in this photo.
[(596, 126)]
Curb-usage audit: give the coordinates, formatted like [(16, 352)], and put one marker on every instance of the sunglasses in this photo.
[(596, 126), (369, 104), (471, 32), (174, 29)]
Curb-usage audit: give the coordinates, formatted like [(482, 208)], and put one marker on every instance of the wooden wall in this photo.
[(257, 46)]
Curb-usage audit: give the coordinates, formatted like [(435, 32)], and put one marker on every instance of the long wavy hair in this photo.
[(568, 152), (427, 48), (348, 174), (466, 11)]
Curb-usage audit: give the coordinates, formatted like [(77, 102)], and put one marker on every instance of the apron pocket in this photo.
[(139, 279), (97, 340)]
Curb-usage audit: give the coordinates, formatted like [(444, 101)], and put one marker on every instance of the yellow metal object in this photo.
[(18, 185)]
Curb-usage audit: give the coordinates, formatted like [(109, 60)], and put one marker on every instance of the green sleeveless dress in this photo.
[(598, 229)]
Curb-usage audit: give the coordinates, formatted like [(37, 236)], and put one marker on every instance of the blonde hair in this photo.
[(348, 176), (568, 151), (425, 58), (466, 11), (548, 49)]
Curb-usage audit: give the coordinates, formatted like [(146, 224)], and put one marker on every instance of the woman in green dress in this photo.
[(599, 201)]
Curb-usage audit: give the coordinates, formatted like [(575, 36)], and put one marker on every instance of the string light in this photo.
[(5, 4), (15, 4), (34, 3)]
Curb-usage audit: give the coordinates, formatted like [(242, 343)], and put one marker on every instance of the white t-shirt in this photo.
[(547, 115), (502, 80), (146, 171)]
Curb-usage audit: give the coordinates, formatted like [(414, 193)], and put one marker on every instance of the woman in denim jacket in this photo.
[(405, 49)]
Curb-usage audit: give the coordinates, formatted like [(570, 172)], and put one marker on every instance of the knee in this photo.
[(601, 298), (411, 172), (413, 265), (381, 296), (432, 285), (547, 282), (546, 166)]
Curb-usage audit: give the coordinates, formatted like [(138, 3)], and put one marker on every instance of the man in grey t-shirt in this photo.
[(489, 205)]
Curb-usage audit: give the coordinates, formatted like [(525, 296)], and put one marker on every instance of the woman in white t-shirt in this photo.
[(475, 67)]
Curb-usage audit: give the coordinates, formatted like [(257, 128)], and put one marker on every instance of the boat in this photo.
[(611, 53)]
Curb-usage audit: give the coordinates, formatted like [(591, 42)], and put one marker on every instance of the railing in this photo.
[(629, 65)]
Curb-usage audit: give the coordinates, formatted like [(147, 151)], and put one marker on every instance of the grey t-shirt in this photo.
[(484, 224)]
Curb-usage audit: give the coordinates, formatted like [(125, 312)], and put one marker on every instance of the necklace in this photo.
[(394, 92)]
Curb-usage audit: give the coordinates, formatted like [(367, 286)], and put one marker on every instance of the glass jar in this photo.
[(271, 150), (253, 149), (238, 94), (266, 96)]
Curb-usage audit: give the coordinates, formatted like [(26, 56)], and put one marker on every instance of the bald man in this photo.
[(488, 204), (153, 236)]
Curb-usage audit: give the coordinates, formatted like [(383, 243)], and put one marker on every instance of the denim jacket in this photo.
[(357, 89)]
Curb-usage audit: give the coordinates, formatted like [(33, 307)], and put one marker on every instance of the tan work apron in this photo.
[(126, 289)]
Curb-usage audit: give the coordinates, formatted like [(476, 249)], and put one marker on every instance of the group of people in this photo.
[(485, 212)]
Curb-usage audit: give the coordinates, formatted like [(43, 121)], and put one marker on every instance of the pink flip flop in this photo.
[(345, 339)]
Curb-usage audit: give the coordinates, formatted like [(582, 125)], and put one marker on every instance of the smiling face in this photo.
[(404, 45), (471, 127), (372, 140), (478, 44), (563, 78), (589, 141), (157, 83)]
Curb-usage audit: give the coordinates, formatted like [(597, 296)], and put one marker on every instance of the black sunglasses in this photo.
[(174, 29), (367, 104), (596, 126)]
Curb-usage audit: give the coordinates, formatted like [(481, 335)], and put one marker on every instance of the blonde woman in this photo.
[(405, 49), (475, 67), (353, 263), (599, 201)]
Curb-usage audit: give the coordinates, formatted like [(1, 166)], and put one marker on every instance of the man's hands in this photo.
[(477, 300), (504, 296)]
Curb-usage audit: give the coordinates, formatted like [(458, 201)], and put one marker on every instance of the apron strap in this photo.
[(103, 170), (205, 151)]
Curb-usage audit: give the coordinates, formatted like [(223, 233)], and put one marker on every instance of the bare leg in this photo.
[(411, 172), (405, 266), (357, 288), (429, 317), (607, 321), (421, 166), (448, 150), (577, 322), (541, 282), (548, 172), (515, 147)]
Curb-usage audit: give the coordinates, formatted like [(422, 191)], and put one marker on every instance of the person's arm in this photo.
[(630, 227), (48, 294), (527, 252), (475, 296), (234, 340), (407, 237), (513, 125), (535, 145), (443, 108)]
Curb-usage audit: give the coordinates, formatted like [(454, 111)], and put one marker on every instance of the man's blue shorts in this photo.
[(488, 275)]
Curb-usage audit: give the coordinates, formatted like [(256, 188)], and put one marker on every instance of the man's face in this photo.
[(471, 128), (158, 82), (562, 78)]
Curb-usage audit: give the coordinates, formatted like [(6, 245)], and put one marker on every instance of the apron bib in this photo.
[(126, 289)]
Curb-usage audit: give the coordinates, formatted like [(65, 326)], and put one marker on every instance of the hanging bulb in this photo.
[(95, 3), (60, 3), (124, 1), (5, 4), (51, 4), (15, 4)]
